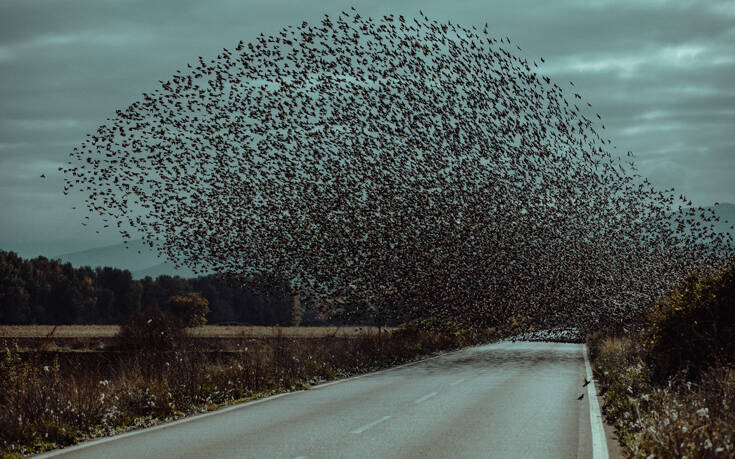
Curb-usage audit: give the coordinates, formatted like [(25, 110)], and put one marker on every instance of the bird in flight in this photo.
[(403, 167)]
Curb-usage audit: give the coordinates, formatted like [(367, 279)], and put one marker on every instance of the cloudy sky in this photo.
[(661, 73)]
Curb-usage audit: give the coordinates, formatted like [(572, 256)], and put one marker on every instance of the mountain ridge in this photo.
[(138, 258)]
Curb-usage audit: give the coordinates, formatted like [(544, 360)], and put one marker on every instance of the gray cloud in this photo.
[(661, 73)]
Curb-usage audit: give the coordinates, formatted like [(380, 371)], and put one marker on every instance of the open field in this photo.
[(221, 337), (208, 331)]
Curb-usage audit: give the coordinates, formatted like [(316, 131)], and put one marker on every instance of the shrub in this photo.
[(191, 309), (676, 419), (694, 328), (151, 330)]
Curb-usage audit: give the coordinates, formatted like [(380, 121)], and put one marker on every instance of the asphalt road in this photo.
[(504, 400)]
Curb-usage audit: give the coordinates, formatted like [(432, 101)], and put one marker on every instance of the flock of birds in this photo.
[(400, 167)]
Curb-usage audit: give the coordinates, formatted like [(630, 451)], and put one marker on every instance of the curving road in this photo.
[(504, 400)]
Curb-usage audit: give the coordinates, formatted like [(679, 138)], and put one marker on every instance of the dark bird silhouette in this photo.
[(581, 396), (393, 168)]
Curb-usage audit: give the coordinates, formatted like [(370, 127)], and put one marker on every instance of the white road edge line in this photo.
[(599, 443), (371, 425), (69, 449), (459, 381), (425, 397)]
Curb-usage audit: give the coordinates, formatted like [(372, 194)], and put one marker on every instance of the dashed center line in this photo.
[(371, 425), (425, 397), (459, 381)]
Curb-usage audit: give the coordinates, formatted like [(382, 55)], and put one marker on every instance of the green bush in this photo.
[(694, 328)]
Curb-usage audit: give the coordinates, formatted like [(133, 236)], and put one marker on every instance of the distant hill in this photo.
[(139, 259), (725, 212), (163, 269), (52, 248)]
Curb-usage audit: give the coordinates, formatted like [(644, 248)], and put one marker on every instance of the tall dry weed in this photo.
[(144, 386)]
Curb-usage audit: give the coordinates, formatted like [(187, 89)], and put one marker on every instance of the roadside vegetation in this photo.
[(159, 372), (669, 387)]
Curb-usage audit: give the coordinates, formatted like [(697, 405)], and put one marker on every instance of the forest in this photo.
[(47, 291)]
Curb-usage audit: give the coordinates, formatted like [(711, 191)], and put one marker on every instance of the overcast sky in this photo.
[(661, 74)]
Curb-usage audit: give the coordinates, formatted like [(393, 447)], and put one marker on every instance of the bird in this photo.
[(43, 175), (581, 396), (586, 382), (394, 170)]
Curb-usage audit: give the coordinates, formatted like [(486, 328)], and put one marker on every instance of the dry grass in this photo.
[(102, 393), (208, 331), (679, 419), (237, 331), (62, 331)]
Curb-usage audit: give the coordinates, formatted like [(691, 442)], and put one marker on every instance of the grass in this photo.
[(109, 392), (207, 331), (677, 419), (86, 338), (669, 385)]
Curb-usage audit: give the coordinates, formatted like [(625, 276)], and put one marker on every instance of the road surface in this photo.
[(504, 400)]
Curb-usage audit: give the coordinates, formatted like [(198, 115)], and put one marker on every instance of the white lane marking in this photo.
[(425, 397), (459, 381), (370, 426), (599, 443)]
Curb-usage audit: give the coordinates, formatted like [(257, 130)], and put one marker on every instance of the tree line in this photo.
[(48, 291)]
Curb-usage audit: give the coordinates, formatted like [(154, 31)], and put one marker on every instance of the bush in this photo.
[(191, 309), (694, 328), (678, 419), (156, 329), (151, 330)]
